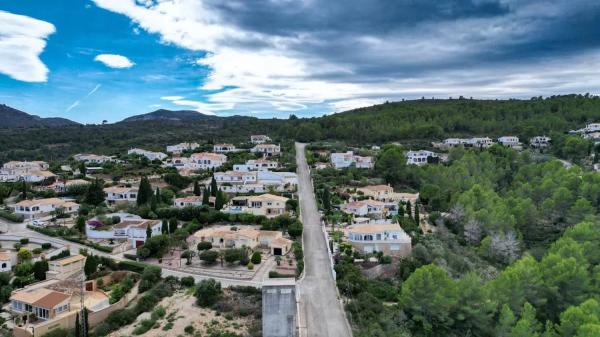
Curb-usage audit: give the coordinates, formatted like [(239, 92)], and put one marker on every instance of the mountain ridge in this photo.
[(11, 118)]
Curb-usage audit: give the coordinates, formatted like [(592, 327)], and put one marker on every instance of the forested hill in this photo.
[(438, 119), (423, 120), (169, 115), (13, 118)]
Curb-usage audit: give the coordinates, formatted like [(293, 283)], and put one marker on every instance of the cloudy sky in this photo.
[(109, 59)]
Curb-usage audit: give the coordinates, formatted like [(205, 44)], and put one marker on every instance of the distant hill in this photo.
[(169, 115), (11, 118)]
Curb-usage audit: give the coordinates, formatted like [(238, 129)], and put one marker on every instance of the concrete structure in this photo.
[(28, 171), (232, 237), (191, 201), (255, 181), (205, 161), (37, 208), (256, 165), (268, 205), (279, 309), (370, 207), (65, 268), (63, 186), (148, 154), (266, 150), (178, 148), (120, 195), (224, 148), (131, 229), (92, 158), (380, 236), (259, 139), (540, 142), (510, 141), (347, 159), (420, 157), (5, 261)]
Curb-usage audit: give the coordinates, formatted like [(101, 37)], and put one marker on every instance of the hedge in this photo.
[(137, 267), (11, 216)]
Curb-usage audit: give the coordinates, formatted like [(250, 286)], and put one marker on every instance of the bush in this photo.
[(256, 258), (24, 241), (274, 274), (208, 292), (37, 251), (136, 267), (250, 265), (46, 245), (189, 329), (204, 245), (63, 253), (150, 276), (231, 255), (209, 256), (11, 216), (130, 256), (187, 281)]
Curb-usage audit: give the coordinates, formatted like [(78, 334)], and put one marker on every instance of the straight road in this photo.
[(320, 305)]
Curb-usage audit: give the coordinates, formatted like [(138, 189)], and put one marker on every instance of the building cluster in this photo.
[(349, 159), (28, 171), (513, 142), (255, 181)]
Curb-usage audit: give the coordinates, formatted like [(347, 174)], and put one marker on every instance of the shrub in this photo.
[(37, 251), (189, 329), (250, 265), (11, 216), (187, 281), (150, 276), (46, 245), (256, 257), (209, 256), (63, 253), (274, 274), (208, 292), (204, 245), (231, 255), (24, 241), (136, 267)]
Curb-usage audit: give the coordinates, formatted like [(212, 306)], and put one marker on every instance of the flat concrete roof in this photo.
[(279, 282)]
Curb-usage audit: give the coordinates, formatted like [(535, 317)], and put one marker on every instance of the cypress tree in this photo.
[(77, 326), (417, 216), (148, 232), (144, 192), (196, 188), (86, 323), (95, 193), (401, 210), (165, 226), (24, 190), (172, 225), (157, 194), (326, 200), (213, 187), (220, 201), (205, 197), (408, 209)]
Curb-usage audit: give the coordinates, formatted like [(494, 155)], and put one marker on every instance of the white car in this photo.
[(38, 222)]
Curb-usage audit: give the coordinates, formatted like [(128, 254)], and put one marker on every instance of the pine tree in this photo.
[(148, 232), (144, 192), (95, 193), (213, 187), (205, 197), (196, 188)]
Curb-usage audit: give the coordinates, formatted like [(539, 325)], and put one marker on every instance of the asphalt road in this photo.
[(320, 305)]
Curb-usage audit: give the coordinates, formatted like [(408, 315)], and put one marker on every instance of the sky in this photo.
[(95, 60)]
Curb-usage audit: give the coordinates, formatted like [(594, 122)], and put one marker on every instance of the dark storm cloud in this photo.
[(420, 36)]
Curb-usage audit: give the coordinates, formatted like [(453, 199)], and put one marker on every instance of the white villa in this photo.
[(28, 171), (37, 208), (259, 139), (255, 181), (120, 194), (268, 205), (5, 261), (131, 229), (256, 165), (419, 157), (179, 148), (92, 158), (148, 154), (380, 236), (482, 142), (192, 201), (224, 148), (510, 141), (206, 161), (231, 237), (540, 141), (63, 186), (370, 207), (347, 159), (266, 149)]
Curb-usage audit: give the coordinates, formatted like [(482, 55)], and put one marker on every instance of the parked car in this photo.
[(38, 223)]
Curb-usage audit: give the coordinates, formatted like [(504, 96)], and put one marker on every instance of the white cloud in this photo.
[(172, 98), (114, 61), (255, 70), (73, 106), (22, 40)]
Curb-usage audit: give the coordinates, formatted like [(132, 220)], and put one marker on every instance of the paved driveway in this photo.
[(320, 305)]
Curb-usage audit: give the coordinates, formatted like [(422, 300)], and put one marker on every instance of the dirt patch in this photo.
[(236, 313)]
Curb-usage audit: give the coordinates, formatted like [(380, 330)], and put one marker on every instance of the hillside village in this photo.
[(222, 211)]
